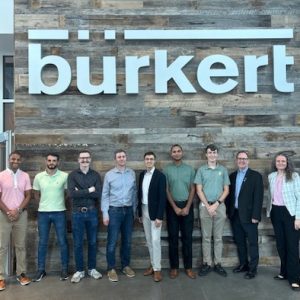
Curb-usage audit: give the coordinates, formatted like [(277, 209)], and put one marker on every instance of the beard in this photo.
[(51, 167)]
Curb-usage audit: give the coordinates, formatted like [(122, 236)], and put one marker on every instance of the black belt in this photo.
[(125, 206), (84, 209), (181, 201), (211, 203)]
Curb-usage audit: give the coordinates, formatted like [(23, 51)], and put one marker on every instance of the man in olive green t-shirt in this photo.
[(49, 189), (180, 215), (212, 186)]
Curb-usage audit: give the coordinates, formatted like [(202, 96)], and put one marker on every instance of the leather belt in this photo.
[(84, 209)]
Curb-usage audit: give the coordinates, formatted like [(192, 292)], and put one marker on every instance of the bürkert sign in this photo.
[(164, 70)]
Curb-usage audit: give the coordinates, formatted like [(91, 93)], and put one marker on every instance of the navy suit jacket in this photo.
[(157, 195), (250, 198)]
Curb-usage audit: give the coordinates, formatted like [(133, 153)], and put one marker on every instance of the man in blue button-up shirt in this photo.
[(118, 206)]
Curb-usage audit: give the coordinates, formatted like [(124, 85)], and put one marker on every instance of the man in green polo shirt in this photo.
[(49, 189), (180, 214), (212, 186)]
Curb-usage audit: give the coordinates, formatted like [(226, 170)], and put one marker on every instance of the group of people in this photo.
[(172, 190)]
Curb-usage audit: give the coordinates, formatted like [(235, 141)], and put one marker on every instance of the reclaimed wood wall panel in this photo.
[(264, 122)]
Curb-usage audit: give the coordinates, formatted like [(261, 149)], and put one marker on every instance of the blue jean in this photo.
[(85, 221), (120, 220), (45, 219)]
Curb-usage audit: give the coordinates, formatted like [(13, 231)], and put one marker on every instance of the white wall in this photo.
[(6, 16)]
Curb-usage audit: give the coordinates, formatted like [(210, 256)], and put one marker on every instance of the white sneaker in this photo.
[(77, 276), (95, 274)]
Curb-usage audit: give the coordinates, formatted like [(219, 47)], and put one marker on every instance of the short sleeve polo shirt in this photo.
[(212, 181), (52, 189), (179, 179)]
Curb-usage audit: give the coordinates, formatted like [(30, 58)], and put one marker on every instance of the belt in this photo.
[(211, 203), (125, 206), (20, 210), (180, 201), (84, 209)]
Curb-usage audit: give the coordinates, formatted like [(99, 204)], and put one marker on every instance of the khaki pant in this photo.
[(212, 226), (19, 230), (152, 234)]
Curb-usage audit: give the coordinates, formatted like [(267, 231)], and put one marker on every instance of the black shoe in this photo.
[(220, 270), (39, 275), (204, 270), (240, 269), (250, 275), (64, 275)]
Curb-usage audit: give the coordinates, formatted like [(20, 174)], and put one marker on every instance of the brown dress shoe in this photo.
[(148, 272), (190, 273), (173, 273), (2, 285), (157, 276)]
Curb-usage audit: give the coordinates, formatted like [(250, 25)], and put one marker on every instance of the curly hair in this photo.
[(289, 170)]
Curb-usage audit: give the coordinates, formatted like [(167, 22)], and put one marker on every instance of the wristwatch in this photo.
[(219, 201), (20, 210)]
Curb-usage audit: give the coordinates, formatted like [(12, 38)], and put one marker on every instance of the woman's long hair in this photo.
[(289, 167)]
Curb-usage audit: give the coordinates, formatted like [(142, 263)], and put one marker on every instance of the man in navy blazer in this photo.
[(151, 207), (244, 205)]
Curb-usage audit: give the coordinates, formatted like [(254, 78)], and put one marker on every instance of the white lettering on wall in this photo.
[(280, 61), (37, 63), (207, 71), (164, 73), (132, 67), (109, 84), (251, 65)]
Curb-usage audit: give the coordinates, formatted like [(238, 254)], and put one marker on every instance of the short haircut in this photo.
[(150, 153), (119, 151), (242, 151), (84, 151), (52, 154), (212, 147), (176, 145), (15, 152)]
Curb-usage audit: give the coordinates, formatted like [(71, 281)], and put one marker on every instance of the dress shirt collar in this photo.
[(151, 171), (116, 170), (15, 176), (12, 172), (243, 171)]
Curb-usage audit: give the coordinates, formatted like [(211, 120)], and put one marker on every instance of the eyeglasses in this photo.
[(242, 158)]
